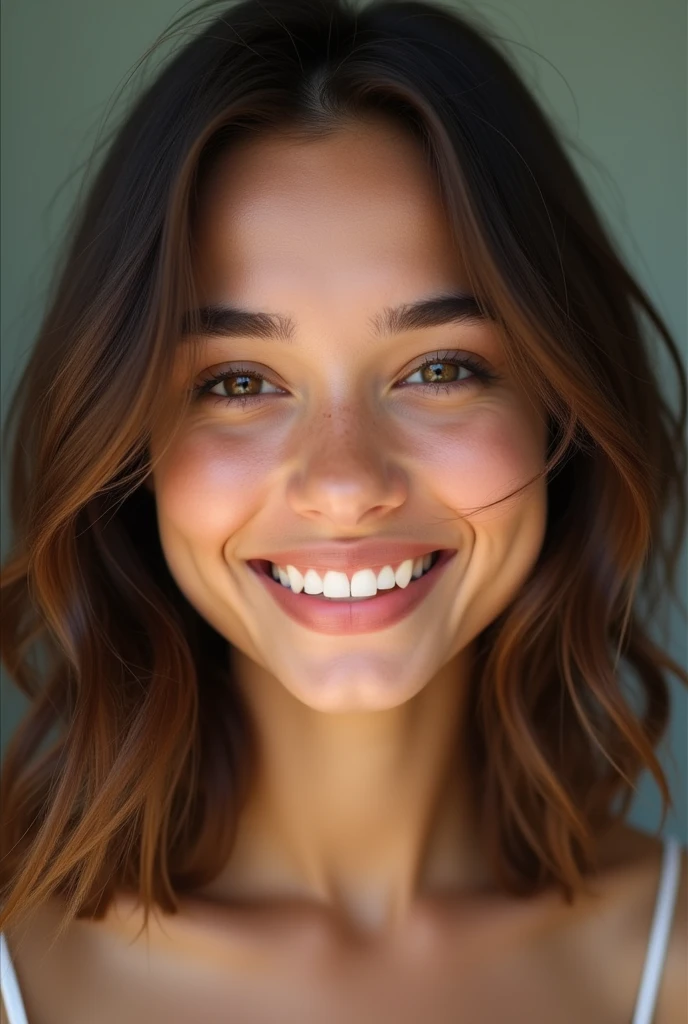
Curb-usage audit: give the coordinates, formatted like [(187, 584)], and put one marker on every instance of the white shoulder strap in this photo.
[(659, 931), (9, 987)]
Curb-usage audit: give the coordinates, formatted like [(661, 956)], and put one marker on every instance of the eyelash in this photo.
[(476, 366)]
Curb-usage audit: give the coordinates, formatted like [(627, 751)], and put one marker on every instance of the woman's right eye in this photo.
[(247, 384)]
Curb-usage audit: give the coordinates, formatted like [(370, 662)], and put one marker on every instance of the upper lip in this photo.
[(349, 557)]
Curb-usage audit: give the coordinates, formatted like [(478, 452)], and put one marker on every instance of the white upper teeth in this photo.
[(364, 583)]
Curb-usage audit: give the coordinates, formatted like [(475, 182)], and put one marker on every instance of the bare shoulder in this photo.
[(672, 1001), (39, 957), (64, 977), (182, 967), (634, 870), (672, 995)]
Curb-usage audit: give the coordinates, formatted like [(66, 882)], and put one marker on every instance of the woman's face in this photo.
[(348, 438)]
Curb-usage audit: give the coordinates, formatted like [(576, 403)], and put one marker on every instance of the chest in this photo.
[(103, 983)]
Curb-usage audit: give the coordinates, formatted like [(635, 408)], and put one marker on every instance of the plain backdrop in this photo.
[(612, 74)]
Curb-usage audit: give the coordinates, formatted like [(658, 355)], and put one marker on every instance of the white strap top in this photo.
[(9, 986), (659, 933), (649, 985)]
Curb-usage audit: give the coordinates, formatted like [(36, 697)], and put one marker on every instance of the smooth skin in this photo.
[(357, 889)]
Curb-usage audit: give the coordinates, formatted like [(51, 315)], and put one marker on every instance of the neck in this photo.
[(363, 812)]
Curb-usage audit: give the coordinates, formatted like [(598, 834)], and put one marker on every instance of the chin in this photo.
[(346, 689)]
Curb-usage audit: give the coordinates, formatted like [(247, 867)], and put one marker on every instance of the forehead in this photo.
[(357, 209)]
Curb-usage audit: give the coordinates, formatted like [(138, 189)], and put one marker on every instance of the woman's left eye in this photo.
[(432, 371), (441, 372)]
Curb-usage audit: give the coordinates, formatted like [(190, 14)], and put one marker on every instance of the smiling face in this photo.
[(347, 437)]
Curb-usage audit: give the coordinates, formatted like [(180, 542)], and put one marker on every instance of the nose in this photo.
[(346, 473)]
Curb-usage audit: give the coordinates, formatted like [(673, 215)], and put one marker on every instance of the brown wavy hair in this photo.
[(136, 741)]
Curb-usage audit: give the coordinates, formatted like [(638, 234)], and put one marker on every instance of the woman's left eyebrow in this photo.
[(223, 320)]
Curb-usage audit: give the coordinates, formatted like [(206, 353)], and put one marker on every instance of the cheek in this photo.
[(494, 451), (481, 457), (212, 482)]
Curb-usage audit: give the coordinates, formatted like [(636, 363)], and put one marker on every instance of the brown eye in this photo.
[(237, 384), (440, 373), (444, 371)]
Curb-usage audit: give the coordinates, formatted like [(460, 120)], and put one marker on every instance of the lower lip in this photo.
[(342, 617)]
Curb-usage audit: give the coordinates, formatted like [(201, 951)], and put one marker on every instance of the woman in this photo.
[(336, 470)]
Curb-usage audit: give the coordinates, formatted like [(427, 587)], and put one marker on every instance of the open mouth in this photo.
[(398, 597), (387, 580)]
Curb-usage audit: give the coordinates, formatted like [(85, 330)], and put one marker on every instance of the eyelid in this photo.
[(214, 375), (458, 356)]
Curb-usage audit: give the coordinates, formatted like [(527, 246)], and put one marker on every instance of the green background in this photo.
[(612, 73)]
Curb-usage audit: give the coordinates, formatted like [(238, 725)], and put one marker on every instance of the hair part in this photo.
[(95, 632)]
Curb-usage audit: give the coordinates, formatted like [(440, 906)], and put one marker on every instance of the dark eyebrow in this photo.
[(222, 320)]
